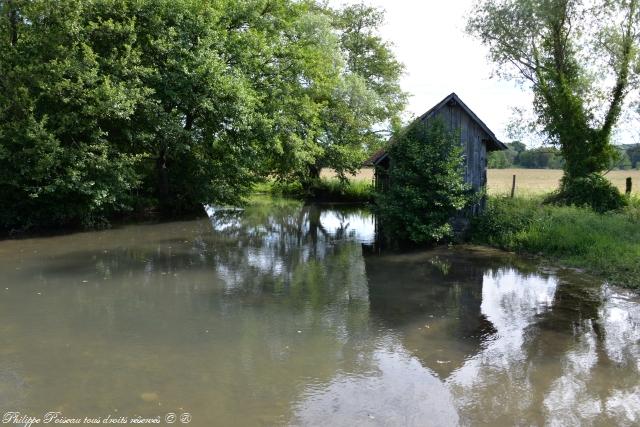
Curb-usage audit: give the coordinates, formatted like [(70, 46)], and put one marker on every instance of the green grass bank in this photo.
[(323, 190), (607, 245)]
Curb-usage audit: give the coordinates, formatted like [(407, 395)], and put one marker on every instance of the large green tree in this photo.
[(355, 106), (112, 105), (579, 57), (58, 113), (369, 101), (198, 126)]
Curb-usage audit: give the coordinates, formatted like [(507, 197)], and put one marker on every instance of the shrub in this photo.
[(503, 219), (594, 191), (426, 184), (633, 209)]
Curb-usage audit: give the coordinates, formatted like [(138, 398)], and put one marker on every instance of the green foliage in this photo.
[(326, 190), (112, 105), (633, 151), (336, 190), (504, 219), (593, 191), (353, 112), (633, 207), (57, 110), (371, 58), (541, 158), (605, 244), (567, 52), (503, 159), (622, 160), (426, 184)]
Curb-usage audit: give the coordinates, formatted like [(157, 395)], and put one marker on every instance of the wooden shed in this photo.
[(476, 138)]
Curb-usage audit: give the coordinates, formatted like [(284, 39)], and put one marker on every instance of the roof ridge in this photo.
[(380, 154)]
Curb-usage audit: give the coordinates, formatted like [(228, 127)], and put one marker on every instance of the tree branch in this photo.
[(622, 79), (13, 22)]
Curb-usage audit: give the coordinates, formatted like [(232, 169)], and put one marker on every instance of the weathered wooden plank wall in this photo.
[(472, 139)]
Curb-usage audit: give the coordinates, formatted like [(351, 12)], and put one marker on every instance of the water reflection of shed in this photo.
[(435, 301)]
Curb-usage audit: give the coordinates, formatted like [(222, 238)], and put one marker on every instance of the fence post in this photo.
[(629, 184), (513, 187)]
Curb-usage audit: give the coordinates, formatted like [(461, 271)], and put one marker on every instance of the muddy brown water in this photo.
[(282, 314)]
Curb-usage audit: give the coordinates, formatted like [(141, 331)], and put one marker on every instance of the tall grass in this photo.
[(605, 244), (324, 190)]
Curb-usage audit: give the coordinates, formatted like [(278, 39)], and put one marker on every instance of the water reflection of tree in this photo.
[(494, 386), (309, 279), (437, 299), (278, 251), (584, 379), (548, 362), (256, 300), (288, 248), (485, 328), (222, 301)]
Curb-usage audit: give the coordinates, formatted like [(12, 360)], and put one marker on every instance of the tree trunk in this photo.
[(314, 172), (13, 23), (163, 179)]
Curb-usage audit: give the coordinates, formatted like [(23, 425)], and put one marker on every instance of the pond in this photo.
[(286, 314)]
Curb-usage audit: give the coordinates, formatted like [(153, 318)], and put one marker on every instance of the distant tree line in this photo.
[(113, 106), (550, 157)]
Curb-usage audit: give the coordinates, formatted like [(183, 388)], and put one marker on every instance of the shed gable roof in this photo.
[(493, 144)]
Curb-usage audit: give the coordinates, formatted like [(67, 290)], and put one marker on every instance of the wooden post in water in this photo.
[(628, 189), (513, 187)]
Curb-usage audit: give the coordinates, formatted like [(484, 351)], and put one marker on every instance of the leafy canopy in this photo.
[(361, 102), (108, 106)]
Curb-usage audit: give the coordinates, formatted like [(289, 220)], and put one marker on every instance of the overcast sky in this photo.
[(428, 38)]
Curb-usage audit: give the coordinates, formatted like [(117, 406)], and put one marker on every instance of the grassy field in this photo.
[(528, 181), (365, 174), (328, 189), (538, 181), (607, 245)]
